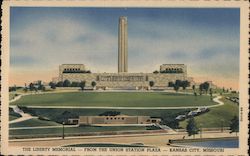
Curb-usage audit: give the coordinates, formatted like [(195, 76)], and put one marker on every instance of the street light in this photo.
[(222, 125), (200, 130), (63, 130)]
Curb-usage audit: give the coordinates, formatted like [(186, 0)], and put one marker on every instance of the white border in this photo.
[(243, 5)]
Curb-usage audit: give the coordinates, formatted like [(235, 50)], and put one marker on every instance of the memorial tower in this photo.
[(123, 45)]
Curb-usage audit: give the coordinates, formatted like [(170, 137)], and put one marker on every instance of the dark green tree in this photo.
[(40, 87), (59, 84), (52, 85), (156, 72), (66, 83), (211, 94), (206, 86), (32, 87), (176, 87), (193, 87), (82, 85), (201, 88), (178, 83), (170, 84), (234, 125), (75, 84), (192, 128), (93, 84), (185, 84), (151, 83)]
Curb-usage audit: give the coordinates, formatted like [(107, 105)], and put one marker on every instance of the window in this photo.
[(122, 118)]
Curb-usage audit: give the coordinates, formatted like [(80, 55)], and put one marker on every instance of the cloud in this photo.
[(44, 43)]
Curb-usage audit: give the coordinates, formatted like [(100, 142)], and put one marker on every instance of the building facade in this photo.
[(123, 79), (119, 119)]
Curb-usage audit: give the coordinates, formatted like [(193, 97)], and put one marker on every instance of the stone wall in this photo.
[(111, 80)]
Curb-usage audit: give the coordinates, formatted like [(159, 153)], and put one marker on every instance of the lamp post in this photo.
[(200, 130), (222, 125), (63, 130)]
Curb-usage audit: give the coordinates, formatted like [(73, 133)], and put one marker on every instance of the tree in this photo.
[(206, 86), (93, 84), (170, 84), (75, 84), (211, 93), (52, 85), (66, 83), (193, 87), (201, 88), (59, 84), (40, 87), (82, 85), (234, 125), (151, 83), (31, 86), (185, 84), (178, 83), (192, 128), (176, 87), (110, 113), (156, 72)]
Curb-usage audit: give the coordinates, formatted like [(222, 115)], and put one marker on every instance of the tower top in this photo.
[(123, 17), (123, 45)]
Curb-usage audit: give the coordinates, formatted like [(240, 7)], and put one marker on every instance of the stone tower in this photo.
[(123, 45)]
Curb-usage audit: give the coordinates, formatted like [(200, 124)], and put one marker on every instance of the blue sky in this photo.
[(206, 40)]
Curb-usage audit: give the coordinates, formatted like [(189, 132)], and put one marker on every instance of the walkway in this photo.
[(158, 139), (24, 116), (41, 127)]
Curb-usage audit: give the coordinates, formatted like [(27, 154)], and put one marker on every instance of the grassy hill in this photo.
[(217, 116), (114, 99)]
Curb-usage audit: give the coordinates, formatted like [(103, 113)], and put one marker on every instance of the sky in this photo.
[(205, 39)]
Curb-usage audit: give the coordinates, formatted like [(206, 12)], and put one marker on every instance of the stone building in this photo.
[(118, 119), (123, 79)]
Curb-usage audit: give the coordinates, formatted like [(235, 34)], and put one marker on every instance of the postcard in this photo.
[(124, 77)]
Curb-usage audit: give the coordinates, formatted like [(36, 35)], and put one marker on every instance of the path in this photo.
[(24, 116), (41, 127), (160, 139)]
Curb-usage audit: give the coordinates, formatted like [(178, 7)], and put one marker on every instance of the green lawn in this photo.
[(217, 115), (74, 130), (33, 123), (114, 99)]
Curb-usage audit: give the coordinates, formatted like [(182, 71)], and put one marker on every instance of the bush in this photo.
[(65, 116), (110, 113)]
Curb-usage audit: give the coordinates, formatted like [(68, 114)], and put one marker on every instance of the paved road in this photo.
[(160, 139)]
